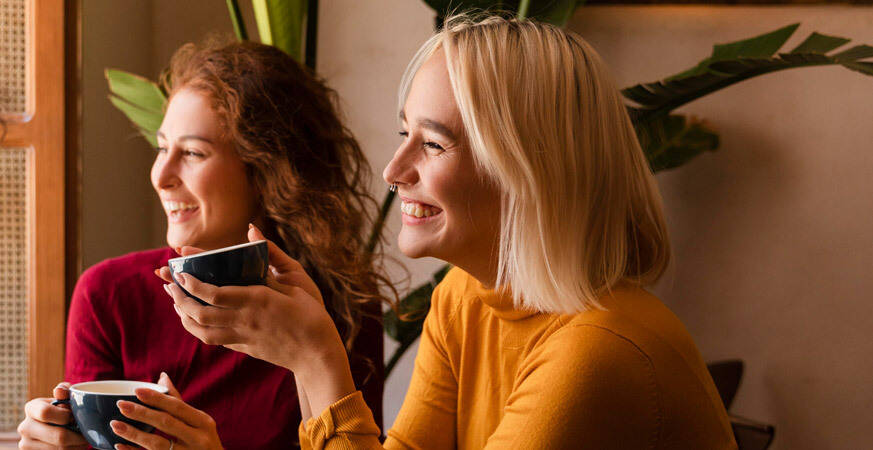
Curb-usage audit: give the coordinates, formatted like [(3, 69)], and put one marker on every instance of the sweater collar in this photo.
[(500, 301)]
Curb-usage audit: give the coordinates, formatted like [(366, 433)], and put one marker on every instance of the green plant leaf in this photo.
[(819, 43), (137, 90), (671, 141), (147, 122), (555, 12), (281, 24), (734, 62), (414, 307), (239, 27)]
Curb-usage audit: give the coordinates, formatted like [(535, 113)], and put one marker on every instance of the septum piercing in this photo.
[(393, 187)]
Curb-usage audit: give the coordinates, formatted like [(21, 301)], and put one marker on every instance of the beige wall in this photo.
[(771, 233), (116, 194)]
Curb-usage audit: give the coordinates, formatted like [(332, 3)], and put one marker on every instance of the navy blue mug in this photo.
[(93, 405), (238, 265)]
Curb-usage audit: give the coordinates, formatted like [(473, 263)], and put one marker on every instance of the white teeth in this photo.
[(417, 209), (176, 206)]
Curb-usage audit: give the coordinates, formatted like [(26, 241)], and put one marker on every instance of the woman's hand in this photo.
[(284, 323), (35, 431), (191, 428)]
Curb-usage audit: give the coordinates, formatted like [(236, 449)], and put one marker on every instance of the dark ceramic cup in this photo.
[(93, 405), (239, 265)]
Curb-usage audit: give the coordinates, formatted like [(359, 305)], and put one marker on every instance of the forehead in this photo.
[(190, 112), (430, 94)]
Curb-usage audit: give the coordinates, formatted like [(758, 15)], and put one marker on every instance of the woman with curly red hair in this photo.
[(249, 136)]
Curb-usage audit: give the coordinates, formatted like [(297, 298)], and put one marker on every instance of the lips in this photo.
[(417, 209), (178, 211)]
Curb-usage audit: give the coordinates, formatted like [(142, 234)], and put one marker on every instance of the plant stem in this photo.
[(523, 8), (311, 34), (239, 27), (380, 222)]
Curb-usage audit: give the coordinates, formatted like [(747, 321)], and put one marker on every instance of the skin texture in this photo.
[(434, 165), (429, 167), (196, 164), (204, 171)]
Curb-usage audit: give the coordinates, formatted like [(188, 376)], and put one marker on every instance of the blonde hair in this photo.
[(581, 211)]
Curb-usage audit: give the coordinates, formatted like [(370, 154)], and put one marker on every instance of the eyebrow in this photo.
[(432, 125), (188, 137)]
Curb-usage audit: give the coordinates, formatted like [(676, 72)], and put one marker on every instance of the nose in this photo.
[(165, 171), (401, 169)]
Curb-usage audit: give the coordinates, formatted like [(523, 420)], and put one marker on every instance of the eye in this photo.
[(192, 153), (404, 133), (433, 145), (160, 149)]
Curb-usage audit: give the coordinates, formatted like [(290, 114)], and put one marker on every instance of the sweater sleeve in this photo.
[(585, 388), (429, 404), (92, 351)]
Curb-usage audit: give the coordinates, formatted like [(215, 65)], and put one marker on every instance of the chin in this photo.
[(413, 248)]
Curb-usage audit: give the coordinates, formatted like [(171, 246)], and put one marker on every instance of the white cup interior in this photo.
[(116, 387)]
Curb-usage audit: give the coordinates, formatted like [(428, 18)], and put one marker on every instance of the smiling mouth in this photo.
[(417, 209), (179, 210)]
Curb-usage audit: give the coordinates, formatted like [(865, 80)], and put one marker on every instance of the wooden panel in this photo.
[(46, 250)]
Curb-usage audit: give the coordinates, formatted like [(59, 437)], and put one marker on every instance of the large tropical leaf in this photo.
[(140, 99), (671, 141), (556, 12), (281, 24), (737, 61)]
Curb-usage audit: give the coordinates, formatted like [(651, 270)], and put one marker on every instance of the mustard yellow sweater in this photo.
[(490, 376)]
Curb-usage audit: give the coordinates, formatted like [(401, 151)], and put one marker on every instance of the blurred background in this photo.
[(772, 233)]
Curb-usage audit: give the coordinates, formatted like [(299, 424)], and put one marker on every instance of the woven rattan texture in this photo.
[(13, 56), (13, 286)]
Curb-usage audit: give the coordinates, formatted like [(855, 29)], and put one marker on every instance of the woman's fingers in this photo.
[(27, 443), (39, 431), (208, 335), (207, 316), (164, 380), (223, 296), (164, 273), (175, 407), (278, 259), (42, 410), (62, 391), (145, 440), (165, 421)]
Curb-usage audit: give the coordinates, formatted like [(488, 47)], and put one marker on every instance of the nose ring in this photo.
[(393, 187)]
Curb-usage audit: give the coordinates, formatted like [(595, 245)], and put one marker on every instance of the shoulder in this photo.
[(121, 271), (449, 294)]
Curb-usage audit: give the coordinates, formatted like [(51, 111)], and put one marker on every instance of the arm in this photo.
[(287, 325), (585, 388)]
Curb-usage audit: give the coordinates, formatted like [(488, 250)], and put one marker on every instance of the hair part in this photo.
[(580, 209)]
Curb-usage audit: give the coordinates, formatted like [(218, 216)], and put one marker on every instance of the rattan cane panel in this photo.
[(13, 286), (13, 56)]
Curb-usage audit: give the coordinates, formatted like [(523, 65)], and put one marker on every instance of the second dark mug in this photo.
[(238, 265), (93, 405)]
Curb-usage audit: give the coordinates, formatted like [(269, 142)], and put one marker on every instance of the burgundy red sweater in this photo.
[(122, 326)]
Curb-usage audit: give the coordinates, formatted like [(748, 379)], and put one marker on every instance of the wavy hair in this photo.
[(581, 211), (309, 172)]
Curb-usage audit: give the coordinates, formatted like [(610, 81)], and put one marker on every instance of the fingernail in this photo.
[(118, 425), (251, 226), (163, 376), (178, 311), (167, 288), (123, 406)]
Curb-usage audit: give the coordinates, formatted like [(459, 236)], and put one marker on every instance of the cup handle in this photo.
[(70, 426)]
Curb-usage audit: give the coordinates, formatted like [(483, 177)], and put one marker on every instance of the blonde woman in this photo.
[(519, 166)]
